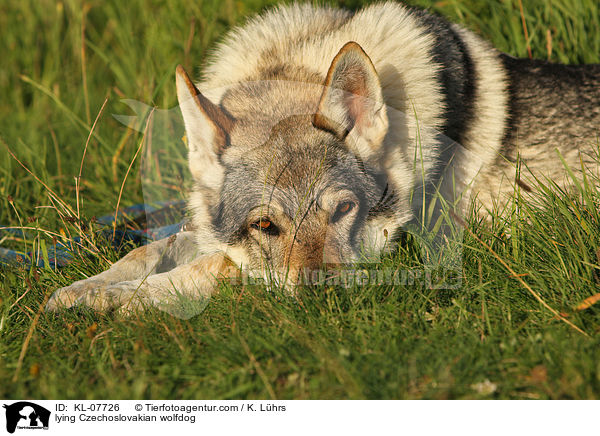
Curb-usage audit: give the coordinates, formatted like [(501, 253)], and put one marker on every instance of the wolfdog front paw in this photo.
[(66, 297), (126, 297), (97, 295)]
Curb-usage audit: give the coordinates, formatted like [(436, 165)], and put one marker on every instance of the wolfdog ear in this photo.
[(207, 129), (351, 105)]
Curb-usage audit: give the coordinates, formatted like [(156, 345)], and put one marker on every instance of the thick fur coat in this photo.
[(317, 133)]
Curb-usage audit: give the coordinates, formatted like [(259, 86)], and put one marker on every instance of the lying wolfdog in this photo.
[(317, 133)]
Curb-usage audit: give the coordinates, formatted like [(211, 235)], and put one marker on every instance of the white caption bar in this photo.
[(27, 417)]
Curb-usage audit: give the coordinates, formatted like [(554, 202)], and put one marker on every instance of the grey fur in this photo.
[(554, 109)]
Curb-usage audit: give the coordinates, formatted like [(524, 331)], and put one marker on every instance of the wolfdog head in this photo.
[(287, 167)]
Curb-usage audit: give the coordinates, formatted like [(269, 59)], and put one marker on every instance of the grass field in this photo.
[(492, 338)]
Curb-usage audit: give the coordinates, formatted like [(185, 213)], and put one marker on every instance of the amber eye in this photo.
[(345, 207), (265, 225), (342, 209)]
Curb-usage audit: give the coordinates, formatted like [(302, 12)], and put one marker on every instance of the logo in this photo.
[(26, 415)]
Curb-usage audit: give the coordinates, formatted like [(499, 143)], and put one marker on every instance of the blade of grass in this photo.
[(78, 178), (517, 276), (148, 123), (25, 345)]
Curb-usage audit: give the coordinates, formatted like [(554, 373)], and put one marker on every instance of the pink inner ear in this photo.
[(355, 84), (356, 108), (352, 73)]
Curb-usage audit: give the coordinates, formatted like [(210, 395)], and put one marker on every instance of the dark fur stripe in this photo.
[(456, 76)]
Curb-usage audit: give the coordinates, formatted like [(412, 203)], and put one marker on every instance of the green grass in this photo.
[(361, 342)]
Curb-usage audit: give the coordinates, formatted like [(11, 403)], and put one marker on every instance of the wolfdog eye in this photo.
[(342, 209), (265, 225)]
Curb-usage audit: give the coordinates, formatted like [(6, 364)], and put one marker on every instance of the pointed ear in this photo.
[(207, 129), (207, 125), (351, 105)]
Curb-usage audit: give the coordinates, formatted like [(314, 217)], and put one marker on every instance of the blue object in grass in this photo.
[(62, 254)]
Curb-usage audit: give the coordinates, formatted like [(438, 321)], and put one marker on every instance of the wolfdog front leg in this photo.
[(195, 280), (143, 262)]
